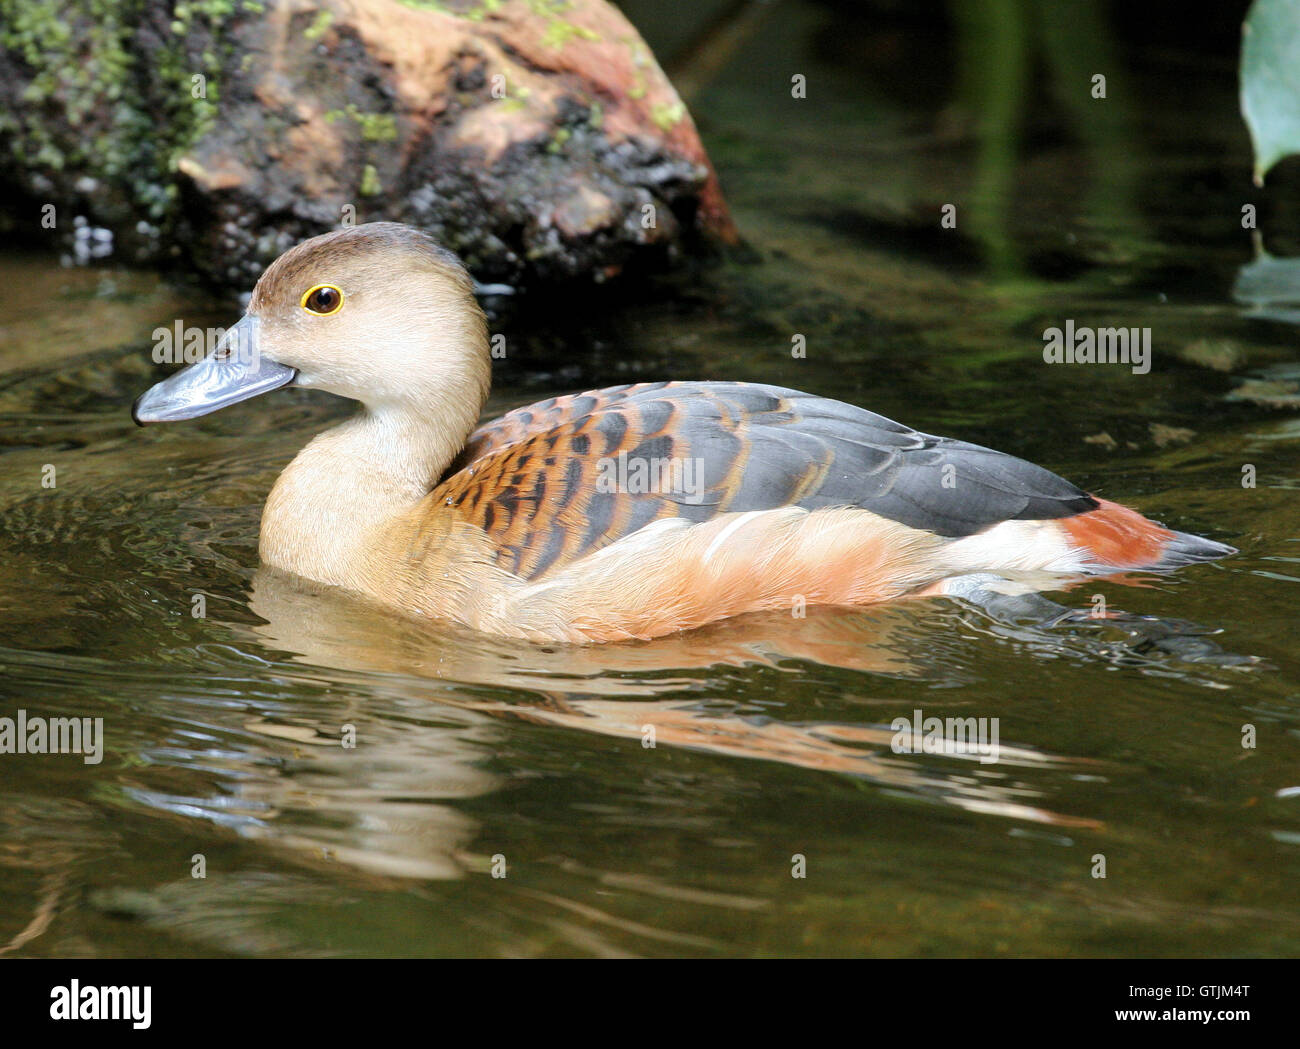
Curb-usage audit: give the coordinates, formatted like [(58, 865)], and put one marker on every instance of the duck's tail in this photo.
[(1115, 537), (1185, 549)]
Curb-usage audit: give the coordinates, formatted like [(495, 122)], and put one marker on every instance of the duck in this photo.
[(629, 512)]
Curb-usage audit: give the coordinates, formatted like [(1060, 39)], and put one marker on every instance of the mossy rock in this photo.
[(537, 138)]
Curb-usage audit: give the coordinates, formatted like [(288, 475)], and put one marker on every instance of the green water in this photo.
[(223, 733)]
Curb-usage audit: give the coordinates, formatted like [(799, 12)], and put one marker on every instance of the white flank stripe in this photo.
[(726, 533), (1016, 546)]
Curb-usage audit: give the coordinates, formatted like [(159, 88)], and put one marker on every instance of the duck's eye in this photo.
[(323, 299)]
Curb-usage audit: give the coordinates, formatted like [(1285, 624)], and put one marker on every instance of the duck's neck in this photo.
[(326, 515)]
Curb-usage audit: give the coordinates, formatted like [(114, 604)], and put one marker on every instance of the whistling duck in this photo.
[(628, 512)]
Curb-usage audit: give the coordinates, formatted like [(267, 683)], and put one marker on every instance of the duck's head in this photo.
[(378, 313)]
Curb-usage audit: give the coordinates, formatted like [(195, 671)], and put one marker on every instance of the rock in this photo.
[(1275, 388), (1223, 355), (1165, 435), (536, 138)]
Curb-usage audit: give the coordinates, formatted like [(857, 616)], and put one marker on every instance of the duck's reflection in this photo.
[(381, 807), (327, 627)]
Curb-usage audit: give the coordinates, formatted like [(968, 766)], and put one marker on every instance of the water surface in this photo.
[(1120, 739)]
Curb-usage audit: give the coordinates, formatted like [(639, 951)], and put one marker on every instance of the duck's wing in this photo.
[(540, 417), (553, 482)]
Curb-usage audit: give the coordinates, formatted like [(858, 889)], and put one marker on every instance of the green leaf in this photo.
[(1270, 81)]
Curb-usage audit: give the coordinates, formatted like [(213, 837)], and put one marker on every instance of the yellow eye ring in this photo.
[(322, 300)]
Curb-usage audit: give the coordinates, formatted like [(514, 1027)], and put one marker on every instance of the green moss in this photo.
[(41, 33), (370, 184), (186, 118), (375, 127), (514, 100), (640, 59), (428, 5), (84, 64), (320, 25), (559, 31), (667, 115), (561, 136)]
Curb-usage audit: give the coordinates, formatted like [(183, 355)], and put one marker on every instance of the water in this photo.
[(223, 733)]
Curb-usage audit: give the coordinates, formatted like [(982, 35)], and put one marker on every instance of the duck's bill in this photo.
[(234, 371)]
